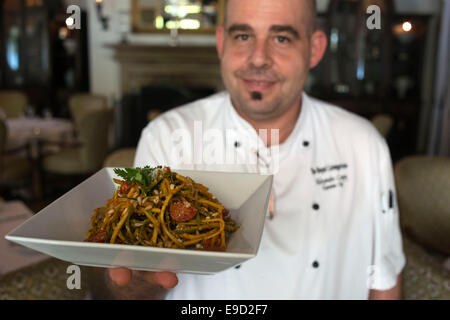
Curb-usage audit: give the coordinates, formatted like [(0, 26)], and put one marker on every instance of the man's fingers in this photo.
[(120, 276), (167, 280)]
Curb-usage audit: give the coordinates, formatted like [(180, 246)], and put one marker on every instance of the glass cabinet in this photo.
[(25, 43)]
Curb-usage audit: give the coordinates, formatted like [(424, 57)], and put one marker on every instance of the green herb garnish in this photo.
[(142, 176)]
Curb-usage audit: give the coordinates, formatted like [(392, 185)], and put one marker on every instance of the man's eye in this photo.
[(281, 39), (243, 37)]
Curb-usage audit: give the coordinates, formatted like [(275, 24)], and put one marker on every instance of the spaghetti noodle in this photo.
[(160, 208)]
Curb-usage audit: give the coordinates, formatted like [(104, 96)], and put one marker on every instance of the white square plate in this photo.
[(60, 228)]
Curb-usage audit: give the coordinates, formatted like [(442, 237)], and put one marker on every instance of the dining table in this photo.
[(35, 137)]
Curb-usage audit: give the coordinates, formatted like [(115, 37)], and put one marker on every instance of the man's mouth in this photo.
[(258, 85)]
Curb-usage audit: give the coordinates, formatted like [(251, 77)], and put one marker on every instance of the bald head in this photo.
[(311, 9), (310, 14)]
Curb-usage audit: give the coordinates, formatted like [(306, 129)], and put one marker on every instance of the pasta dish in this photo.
[(160, 208)]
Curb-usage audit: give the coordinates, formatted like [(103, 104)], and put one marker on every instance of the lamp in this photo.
[(102, 18)]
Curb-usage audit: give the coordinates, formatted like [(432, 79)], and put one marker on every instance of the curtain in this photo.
[(439, 143)]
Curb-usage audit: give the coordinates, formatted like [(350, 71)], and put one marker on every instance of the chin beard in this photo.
[(256, 95)]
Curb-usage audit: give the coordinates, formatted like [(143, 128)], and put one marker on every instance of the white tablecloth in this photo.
[(22, 130), (14, 256)]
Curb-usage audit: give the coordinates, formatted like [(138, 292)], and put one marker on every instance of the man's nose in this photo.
[(260, 56)]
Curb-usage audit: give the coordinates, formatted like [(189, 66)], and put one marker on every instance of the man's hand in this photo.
[(122, 283), (123, 276)]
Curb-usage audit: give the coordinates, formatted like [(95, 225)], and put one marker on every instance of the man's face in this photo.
[(265, 49)]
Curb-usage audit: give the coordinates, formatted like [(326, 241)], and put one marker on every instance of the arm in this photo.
[(389, 256), (394, 293)]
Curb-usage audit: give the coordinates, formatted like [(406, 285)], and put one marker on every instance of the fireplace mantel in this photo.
[(190, 66)]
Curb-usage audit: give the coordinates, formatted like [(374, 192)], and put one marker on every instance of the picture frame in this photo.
[(190, 17)]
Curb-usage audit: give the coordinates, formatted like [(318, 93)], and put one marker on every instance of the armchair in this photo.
[(122, 158), (383, 123), (80, 104), (13, 103), (13, 169), (423, 189), (88, 156)]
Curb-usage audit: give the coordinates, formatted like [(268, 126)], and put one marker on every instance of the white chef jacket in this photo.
[(335, 232)]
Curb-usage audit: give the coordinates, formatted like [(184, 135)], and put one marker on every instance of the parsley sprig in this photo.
[(143, 176)]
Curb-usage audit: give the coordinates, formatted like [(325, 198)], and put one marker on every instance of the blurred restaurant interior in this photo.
[(76, 93)]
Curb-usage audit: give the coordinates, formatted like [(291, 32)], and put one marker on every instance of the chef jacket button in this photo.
[(315, 206), (305, 143), (315, 264), (237, 267), (237, 144)]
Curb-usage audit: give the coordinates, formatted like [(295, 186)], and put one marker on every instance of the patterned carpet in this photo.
[(425, 277), (43, 281)]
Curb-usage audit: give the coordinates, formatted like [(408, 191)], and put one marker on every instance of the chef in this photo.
[(332, 231)]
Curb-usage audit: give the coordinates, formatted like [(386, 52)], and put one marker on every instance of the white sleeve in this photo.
[(388, 259)]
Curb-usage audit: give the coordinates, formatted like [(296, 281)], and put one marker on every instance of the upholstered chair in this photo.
[(383, 123), (13, 103), (122, 158), (14, 169), (87, 157), (82, 103), (423, 189)]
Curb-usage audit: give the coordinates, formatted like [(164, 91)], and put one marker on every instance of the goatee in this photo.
[(256, 95)]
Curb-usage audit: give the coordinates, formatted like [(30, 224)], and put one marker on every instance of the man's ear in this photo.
[(220, 37), (318, 46)]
